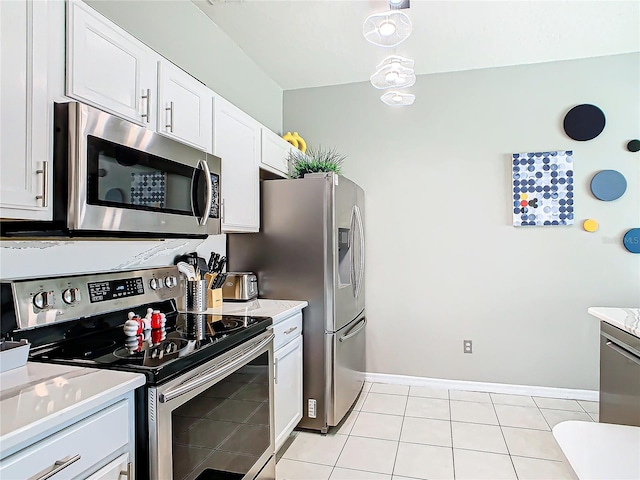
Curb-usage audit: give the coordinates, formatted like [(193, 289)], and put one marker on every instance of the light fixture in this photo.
[(398, 4), (387, 29), (398, 98), (394, 72)]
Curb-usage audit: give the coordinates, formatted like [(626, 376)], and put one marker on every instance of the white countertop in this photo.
[(278, 310), (600, 451), (38, 397), (627, 319)]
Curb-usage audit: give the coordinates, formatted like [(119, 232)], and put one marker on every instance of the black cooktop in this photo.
[(186, 340)]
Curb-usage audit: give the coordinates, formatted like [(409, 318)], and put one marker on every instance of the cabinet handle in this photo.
[(45, 184), (147, 114), (289, 330), (128, 472), (623, 352), (275, 368), (222, 210), (59, 465), (170, 110)]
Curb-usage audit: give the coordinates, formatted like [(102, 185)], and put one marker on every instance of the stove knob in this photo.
[(171, 281), (155, 284), (71, 296), (44, 300)]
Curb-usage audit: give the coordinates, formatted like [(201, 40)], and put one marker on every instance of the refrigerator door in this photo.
[(342, 250), (347, 366)]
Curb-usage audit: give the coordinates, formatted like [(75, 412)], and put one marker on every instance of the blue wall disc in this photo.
[(584, 122), (631, 240), (633, 146), (608, 185)]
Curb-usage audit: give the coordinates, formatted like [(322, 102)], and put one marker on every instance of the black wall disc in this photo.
[(584, 122), (633, 146)]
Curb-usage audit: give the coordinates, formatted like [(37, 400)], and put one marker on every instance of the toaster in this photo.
[(240, 287)]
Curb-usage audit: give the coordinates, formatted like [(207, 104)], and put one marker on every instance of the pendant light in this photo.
[(394, 72), (387, 29)]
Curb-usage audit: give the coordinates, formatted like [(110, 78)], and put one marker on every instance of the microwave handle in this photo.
[(207, 210)]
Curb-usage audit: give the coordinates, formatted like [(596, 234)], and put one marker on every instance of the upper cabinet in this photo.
[(25, 113), (185, 107), (109, 68), (237, 142), (275, 151)]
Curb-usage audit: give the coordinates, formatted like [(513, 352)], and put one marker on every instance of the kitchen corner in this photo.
[(278, 310)]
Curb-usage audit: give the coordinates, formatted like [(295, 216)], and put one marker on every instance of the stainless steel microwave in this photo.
[(113, 178)]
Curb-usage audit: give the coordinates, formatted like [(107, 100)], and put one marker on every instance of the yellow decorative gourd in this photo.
[(291, 139), (302, 145)]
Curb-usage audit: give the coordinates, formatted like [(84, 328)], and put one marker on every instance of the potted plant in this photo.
[(314, 160)]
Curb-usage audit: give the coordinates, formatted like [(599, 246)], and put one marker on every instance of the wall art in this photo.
[(542, 188), (584, 122), (608, 185)]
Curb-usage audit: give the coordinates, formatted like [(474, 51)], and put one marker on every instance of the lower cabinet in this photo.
[(288, 388), (98, 446)]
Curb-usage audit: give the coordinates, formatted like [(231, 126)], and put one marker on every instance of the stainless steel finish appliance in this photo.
[(116, 178), (206, 410), (619, 376), (240, 286), (311, 247)]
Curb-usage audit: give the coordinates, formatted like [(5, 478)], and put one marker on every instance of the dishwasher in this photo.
[(619, 376)]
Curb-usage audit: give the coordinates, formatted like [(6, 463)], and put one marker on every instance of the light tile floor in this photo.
[(399, 432)]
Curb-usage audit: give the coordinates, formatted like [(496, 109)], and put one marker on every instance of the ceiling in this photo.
[(301, 43)]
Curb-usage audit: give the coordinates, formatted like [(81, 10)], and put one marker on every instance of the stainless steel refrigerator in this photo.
[(311, 247)]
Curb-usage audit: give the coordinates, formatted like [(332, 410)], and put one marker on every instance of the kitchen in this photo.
[(450, 143)]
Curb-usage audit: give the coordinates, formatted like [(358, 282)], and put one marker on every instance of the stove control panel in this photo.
[(55, 299)]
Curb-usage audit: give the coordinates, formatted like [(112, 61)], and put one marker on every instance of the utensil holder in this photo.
[(195, 298)]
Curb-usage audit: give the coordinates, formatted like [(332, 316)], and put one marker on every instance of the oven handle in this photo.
[(216, 372)]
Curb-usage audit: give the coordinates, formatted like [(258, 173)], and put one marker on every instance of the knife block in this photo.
[(214, 295)]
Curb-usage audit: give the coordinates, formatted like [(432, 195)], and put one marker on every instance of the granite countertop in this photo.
[(600, 451), (627, 319), (278, 310), (38, 397)]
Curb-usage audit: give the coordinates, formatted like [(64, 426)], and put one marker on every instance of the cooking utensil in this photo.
[(187, 270)]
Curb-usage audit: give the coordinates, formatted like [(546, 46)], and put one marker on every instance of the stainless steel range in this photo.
[(206, 411)]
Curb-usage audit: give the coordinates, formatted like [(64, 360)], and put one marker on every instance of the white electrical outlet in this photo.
[(311, 408), (467, 346)]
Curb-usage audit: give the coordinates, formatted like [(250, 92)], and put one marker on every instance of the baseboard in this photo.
[(535, 391)]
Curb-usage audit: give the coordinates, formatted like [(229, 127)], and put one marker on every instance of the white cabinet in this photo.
[(237, 142), (109, 68), (185, 107), (288, 376), (274, 153), (25, 113), (87, 446)]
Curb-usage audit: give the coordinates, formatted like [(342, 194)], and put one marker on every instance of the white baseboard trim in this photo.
[(535, 391)]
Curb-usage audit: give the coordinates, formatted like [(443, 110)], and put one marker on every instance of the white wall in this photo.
[(443, 261), (182, 33)]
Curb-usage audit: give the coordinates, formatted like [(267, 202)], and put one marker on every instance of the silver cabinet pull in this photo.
[(275, 368), (45, 184), (128, 472), (147, 114), (59, 465), (289, 330), (623, 352), (222, 210), (169, 109)]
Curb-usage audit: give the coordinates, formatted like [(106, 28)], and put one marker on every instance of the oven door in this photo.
[(123, 177), (216, 421)]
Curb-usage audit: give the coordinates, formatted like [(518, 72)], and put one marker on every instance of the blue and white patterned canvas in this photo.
[(542, 188)]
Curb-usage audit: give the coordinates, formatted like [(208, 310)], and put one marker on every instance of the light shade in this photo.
[(398, 98), (394, 72), (387, 29)]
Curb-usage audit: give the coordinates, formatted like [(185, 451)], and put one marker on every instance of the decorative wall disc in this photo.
[(584, 122), (608, 185), (631, 240), (633, 146), (590, 225)]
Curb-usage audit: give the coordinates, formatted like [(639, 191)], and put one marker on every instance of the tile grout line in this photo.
[(395, 458), (505, 438), (453, 456)]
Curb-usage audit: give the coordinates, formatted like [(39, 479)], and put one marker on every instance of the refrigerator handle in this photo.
[(352, 258), (360, 276)]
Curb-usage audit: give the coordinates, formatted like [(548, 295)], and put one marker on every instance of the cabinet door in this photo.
[(185, 107), (275, 151), (108, 68), (119, 469), (237, 142), (25, 114), (288, 389)]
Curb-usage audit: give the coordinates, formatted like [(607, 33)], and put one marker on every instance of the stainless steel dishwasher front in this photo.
[(619, 376)]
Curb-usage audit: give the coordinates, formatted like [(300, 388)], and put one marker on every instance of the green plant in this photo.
[(315, 160)]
